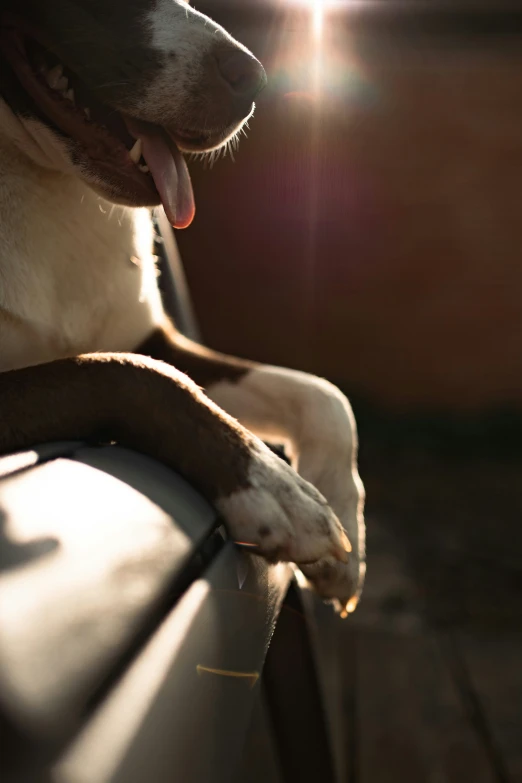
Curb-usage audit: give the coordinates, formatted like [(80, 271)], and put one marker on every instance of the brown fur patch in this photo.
[(204, 366), (139, 402)]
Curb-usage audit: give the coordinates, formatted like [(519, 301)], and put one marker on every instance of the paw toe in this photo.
[(338, 582), (255, 518)]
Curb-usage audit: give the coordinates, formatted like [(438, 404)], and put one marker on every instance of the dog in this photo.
[(98, 102)]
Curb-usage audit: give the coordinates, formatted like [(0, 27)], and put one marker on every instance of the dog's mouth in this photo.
[(135, 161)]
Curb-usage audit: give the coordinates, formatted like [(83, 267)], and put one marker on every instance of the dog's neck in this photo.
[(79, 272)]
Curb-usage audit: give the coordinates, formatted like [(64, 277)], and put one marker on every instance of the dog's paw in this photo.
[(340, 483), (327, 457), (282, 516), (339, 583)]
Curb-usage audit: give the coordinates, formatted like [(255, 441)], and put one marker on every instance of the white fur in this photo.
[(282, 515), (67, 282), (315, 420), (190, 35), (175, 26)]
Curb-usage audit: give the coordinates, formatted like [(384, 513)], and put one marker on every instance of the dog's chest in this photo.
[(77, 274)]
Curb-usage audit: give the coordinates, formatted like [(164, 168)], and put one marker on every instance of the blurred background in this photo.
[(370, 231)]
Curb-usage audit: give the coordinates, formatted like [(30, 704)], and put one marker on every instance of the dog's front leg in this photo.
[(154, 408), (309, 415)]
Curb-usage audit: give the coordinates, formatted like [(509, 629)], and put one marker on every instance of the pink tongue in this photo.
[(171, 176)]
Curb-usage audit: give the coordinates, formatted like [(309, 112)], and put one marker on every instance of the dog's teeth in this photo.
[(55, 78), (69, 94), (54, 75), (87, 112), (135, 152), (143, 167)]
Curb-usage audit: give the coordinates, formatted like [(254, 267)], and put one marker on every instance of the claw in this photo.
[(349, 607), (341, 549), (346, 541), (340, 554)]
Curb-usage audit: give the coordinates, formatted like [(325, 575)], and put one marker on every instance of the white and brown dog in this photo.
[(98, 101)]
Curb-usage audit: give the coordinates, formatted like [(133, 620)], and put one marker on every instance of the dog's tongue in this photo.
[(170, 173)]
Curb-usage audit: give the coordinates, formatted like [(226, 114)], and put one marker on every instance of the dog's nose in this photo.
[(243, 73)]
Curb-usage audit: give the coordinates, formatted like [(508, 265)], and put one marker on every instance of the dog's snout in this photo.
[(243, 73)]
